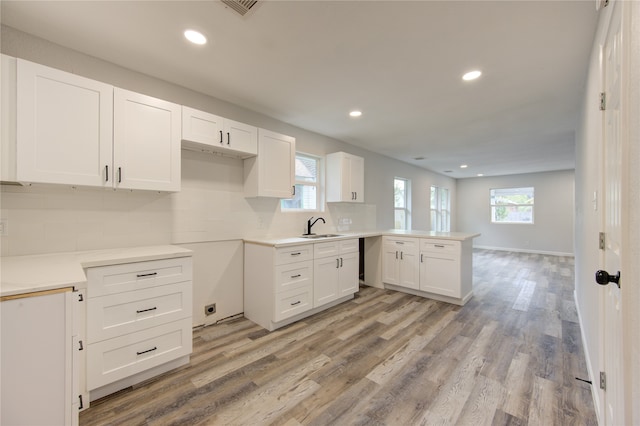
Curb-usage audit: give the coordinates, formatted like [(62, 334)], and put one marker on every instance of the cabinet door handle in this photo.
[(341, 262), (337, 263), (106, 173), (401, 258), (151, 274), (355, 195), (119, 174), (81, 404), (221, 141), (228, 138), (296, 276), (421, 261), (296, 254), (294, 190), (147, 310), (396, 254), (296, 303), (438, 245), (80, 298), (80, 345), (147, 351)]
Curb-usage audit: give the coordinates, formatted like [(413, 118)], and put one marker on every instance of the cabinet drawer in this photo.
[(440, 246), (294, 254), (349, 246), (294, 275), (334, 248), (115, 359), (293, 302), (105, 280), (117, 314)]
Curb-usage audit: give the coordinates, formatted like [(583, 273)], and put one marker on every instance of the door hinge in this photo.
[(603, 380), (601, 241), (603, 101)]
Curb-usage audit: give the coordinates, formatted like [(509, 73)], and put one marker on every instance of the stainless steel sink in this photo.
[(315, 237)]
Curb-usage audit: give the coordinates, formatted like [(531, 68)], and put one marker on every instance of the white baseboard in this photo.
[(592, 373), (518, 250)]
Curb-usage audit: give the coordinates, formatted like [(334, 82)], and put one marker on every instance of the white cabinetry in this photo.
[(8, 119), (400, 262), (76, 131), (146, 140), (345, 178), (138, 322), (39, 383), (202, 131), (445, 269), (64, 127), (335, 270), (285, 284), (272, 172)]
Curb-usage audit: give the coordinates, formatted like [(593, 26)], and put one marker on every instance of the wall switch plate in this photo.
[(210, 309)]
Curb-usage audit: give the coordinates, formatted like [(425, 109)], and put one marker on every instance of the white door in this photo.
[(349, 269), (611, 332), (325, 280), (146, 142)]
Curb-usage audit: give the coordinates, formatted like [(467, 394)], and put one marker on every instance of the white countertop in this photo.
[(290, 241), (28, 274)]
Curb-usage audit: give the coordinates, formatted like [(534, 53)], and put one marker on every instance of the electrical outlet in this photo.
[(4, 227), (210, 309)]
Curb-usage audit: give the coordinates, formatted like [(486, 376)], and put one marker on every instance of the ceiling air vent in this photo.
[(240, 6)]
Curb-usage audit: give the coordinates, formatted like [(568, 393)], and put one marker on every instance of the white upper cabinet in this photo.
[(345, 178), (146, 141), (64, 127), (272, 172), (202, 131), (76, 131), (8, 119)]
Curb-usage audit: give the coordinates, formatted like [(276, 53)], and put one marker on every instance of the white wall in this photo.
[(552, 231), (209, 215)]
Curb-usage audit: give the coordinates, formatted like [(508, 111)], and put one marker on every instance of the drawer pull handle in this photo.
[(152, 274), (296, 254), (296, 303), (438, 245), (399, 242), (147, 310), (147, 351), (296, 276)]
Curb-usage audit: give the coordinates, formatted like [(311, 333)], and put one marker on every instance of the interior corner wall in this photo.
[(552, 230)]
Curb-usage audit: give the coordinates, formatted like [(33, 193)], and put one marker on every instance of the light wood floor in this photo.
[(510, 356)]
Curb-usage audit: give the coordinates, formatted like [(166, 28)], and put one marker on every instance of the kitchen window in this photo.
[(512, 205), (440, 209), (307, 194), (401, 203)]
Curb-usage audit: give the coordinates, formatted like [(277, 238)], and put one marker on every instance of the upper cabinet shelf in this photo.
[(202, 131), (345, 178)]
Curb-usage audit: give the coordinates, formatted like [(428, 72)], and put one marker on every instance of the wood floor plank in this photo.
[(508, 357)]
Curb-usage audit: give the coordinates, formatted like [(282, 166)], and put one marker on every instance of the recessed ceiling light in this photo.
[(472, 75), (195, 37), (463, 166), (355, 113), (480, 174)]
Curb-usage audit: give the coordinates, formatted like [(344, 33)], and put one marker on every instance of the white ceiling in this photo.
[(308, 63)]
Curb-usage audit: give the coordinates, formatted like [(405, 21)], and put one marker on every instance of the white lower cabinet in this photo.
[(139, 322), (283, 285), (400, 262), (335, 270), (39, 359)]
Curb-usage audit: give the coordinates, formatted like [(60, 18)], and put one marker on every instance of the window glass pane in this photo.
[(512, 205), (434, 202), (306, 169), (305, 198), (400, 197), (400, 219)]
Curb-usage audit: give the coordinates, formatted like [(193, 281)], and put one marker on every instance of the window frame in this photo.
[(492, 206), (440, 219), (407, 203), (317, 184)]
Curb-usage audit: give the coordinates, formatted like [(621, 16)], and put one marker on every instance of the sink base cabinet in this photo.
[(285, 285)]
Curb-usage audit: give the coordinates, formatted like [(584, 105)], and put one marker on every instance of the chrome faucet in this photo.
[(310, 224)]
